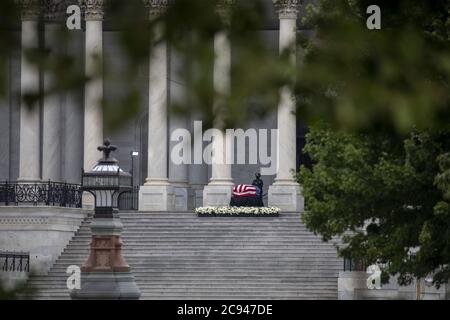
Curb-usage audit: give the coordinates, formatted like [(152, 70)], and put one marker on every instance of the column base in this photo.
[(156, 198), (286, 196), (106, 286), (217, 195)]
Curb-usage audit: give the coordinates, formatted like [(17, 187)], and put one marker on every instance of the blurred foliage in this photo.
[(257, 71), (391, 78), (19, 291), (383, 196), (188, 27)]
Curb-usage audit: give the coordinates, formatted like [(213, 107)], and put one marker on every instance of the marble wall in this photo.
[(42, 231)]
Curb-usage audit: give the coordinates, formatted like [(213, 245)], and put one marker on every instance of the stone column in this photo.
[(157, 194), (285, 193), (30, 160), (93, 91), (218, 191), (52, 122)]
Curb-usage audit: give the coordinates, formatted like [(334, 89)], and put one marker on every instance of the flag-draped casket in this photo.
[(246, 195)]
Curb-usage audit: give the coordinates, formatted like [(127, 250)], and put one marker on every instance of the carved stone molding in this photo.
[(156, 7), (23, 220), (29, 9), (287, 9), (93, 9), (54, 9)]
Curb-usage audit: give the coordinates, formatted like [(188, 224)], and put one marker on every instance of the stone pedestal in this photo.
[(287, 197), (155, 197), (106, 275), (106, 286)]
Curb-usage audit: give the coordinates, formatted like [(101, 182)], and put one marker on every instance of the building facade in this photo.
[(58, 138)]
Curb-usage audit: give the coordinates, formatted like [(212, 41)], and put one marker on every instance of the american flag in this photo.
[(245, 190)]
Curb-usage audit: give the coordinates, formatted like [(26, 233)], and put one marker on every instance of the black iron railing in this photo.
[(40, 193), (129, 200), (15, 261)]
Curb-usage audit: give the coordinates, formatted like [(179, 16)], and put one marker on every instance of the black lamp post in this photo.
[(106, 275), (133, 154)]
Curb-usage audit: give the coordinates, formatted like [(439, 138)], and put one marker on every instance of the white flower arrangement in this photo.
[(234, 211)]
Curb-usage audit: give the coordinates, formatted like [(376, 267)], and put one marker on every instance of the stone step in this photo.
[(152, 254), (230, 292), (182, 256), (150, 277), (161, 286), (242, 275), (207, 232), (238, 248), (299, 265)]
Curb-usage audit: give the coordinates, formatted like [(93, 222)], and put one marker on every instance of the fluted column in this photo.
[(93, 92), (52, 122), (221, 172), (218, 191), (157, 108), (285, 192), (29, 166), (157, 194)]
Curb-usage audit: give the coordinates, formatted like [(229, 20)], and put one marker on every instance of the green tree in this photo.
[(395, 78), (383, 196)]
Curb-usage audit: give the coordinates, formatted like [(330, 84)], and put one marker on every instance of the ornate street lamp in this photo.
[(106, 275)]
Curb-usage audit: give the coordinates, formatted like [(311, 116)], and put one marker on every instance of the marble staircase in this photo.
[(182, 256)]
